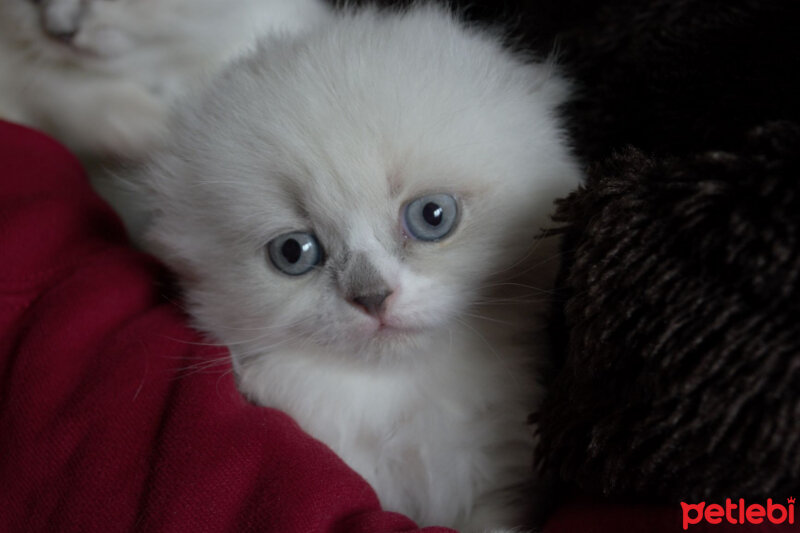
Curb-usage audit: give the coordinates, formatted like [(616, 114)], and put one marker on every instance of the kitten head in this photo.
[(349, 192)]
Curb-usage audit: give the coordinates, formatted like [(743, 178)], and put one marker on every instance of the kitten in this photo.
[(99, 75), (354, 213)]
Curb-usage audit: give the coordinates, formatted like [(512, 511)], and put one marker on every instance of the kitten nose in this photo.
[(371, 303)]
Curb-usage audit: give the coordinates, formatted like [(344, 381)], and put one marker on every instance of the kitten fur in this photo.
[(333, 132), (99, 75)]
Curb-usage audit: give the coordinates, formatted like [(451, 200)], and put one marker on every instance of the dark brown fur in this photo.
[(682, 311)]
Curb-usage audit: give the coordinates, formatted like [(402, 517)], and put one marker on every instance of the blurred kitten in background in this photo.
[(100, 75)]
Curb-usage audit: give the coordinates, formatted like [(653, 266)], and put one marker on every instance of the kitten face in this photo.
[(408, 161)]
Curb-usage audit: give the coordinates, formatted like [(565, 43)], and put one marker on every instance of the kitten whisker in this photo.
[(196, 343), (509, 301), (536, 242), (519, 285), (206, 366), (503, 364), (216, 387), (270, 327), (552, 257), (260, 349), (488, 319)]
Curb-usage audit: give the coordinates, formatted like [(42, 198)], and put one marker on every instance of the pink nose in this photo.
[(372, 304)]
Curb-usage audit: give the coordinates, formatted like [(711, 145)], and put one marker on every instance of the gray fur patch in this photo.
[(357, 277)]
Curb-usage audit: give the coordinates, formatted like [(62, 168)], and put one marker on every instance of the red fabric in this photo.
[(109, 419)]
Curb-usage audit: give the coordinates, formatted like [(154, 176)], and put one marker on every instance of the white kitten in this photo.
[(354, 213), (99, 75)]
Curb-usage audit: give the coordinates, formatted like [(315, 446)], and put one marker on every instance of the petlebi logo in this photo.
[(738, 512)]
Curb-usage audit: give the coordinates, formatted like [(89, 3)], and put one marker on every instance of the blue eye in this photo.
[(295, 253), (431, 218)]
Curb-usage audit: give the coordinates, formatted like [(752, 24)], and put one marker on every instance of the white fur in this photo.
[(104, 90), (333, 132)]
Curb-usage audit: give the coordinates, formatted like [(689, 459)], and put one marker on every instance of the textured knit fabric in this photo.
[(114, 415), (680, 381)]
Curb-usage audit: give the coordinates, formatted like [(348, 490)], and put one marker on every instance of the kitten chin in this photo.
[(391, 170)]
